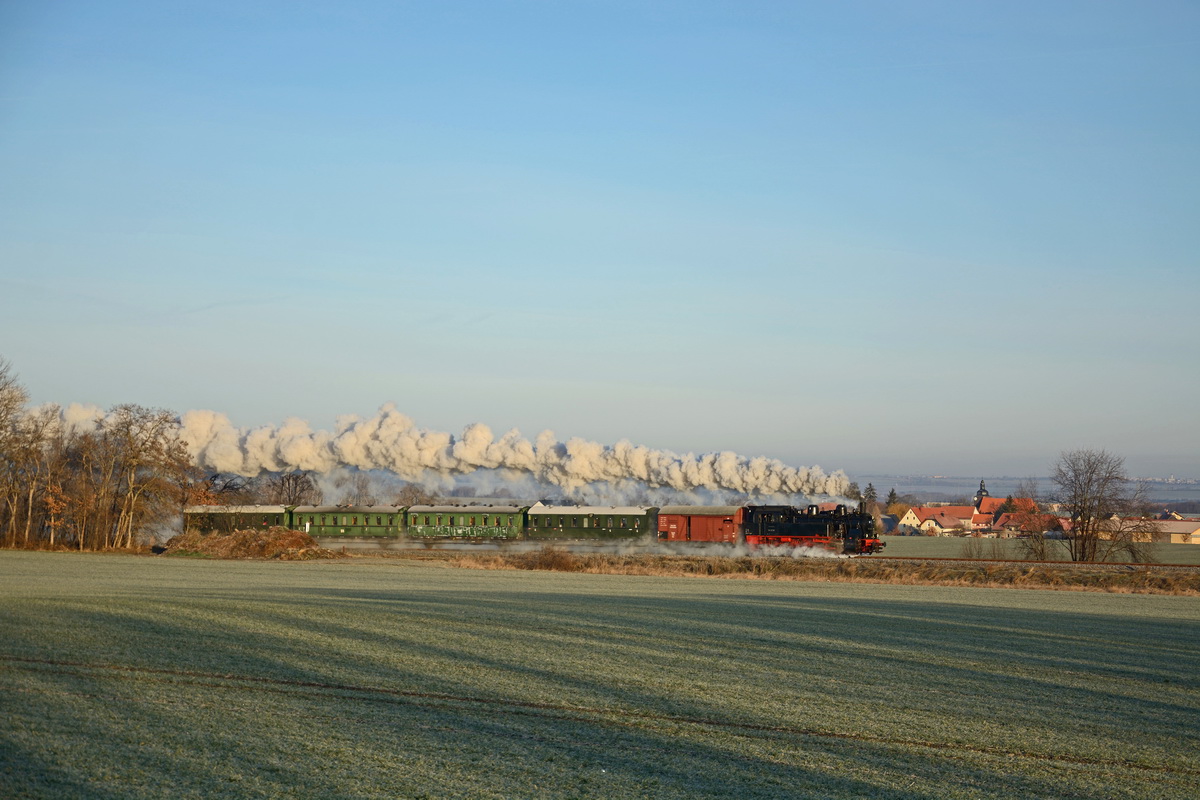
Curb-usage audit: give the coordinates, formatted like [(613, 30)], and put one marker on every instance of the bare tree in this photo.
[(12, 402), (296, 488), (31, 454), (412, 494), (12, 395), (219, 489), (1109, 518), (150, 454), (1031, 524), (356, 489)]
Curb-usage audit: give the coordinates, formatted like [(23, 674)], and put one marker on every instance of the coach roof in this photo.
[(465, 510), (580, 510)]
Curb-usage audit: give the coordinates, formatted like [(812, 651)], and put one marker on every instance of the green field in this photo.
[(127, 677), (952, 547)]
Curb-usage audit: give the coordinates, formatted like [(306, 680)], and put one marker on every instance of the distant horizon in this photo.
[(855, 474)]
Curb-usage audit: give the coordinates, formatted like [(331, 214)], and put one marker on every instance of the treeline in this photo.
[(94, 487), (123, 479)]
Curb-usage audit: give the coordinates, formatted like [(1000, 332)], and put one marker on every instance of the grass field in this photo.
[(127, 677)]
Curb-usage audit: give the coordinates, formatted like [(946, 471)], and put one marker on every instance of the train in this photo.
[(833, 527)]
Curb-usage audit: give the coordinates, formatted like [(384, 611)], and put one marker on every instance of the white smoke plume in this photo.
[(391, 441)]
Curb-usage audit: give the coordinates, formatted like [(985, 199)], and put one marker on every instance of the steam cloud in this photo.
[(391, 441)]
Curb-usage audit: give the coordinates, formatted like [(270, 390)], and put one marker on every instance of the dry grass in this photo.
[(275, 542), (1140, 580)]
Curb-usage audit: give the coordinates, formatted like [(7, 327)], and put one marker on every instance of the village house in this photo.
[(1179, 528), (980, 518), (1168, 531)]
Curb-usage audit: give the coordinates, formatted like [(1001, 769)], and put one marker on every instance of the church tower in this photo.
[(982, 493)]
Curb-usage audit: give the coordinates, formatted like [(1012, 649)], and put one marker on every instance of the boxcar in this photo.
[(700, 523), (590, 522), (465, 522), (349, 521)]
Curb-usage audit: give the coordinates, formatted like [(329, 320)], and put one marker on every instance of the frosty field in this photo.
[(153, 677)]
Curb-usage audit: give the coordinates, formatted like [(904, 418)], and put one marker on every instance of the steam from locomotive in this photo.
[(391, 441)]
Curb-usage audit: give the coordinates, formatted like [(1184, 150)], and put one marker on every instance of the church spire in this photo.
[(982, 493)]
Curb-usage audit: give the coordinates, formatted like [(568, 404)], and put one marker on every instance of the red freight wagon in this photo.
[(700, 523)]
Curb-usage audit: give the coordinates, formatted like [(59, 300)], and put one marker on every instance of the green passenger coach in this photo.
[(465, 522), (590, 522), (349, 521), (225, 519)]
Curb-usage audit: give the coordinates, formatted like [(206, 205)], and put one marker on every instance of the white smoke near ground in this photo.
[(391, 441), (652, 546), (646, 546)]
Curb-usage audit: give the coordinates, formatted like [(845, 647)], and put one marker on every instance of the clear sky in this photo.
[(878, 236)]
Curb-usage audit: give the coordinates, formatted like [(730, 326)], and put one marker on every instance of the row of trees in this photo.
[(302, 489), (124, 480), (92, 489)]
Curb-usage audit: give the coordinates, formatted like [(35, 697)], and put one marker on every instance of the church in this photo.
[(985, 514)]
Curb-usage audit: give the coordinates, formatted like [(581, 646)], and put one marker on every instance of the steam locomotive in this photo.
[(831, 527)]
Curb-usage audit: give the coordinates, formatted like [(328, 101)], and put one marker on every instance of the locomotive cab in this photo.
[(860, 537)]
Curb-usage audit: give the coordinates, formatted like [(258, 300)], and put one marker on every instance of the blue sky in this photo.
[(902, 237)]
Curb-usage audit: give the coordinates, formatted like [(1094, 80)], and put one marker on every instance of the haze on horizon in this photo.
[(915, 237)]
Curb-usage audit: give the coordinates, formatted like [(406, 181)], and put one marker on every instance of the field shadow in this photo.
[(477, 691)]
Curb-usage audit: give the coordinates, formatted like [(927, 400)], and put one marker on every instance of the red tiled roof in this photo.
[(990, 505), (947, 521), (962, 513), (1031, 522)]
